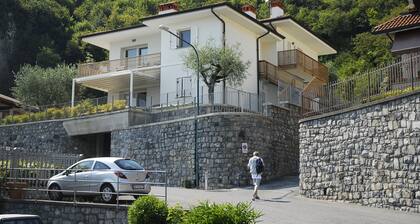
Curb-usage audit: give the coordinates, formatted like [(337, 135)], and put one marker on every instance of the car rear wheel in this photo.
[(53, 193), (107, 195)]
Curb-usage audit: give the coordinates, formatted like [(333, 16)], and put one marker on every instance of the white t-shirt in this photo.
[(252, 165)]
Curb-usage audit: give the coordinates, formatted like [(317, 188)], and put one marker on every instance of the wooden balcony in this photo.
[(298, 63), (272, 73), (103, 67)]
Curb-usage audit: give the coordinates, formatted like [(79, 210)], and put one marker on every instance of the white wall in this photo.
[(248, 45), (287, 45), (152, 42), (202, 31), (268, 51)]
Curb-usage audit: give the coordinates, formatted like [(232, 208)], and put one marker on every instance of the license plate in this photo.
[(138, 186)]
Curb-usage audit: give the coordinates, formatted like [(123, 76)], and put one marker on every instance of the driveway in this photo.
[(280, 203)]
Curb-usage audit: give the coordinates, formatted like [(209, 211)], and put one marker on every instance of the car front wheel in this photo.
[(107, 195), (54, 194)]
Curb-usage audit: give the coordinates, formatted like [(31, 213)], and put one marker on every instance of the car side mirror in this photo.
[(67, 172)]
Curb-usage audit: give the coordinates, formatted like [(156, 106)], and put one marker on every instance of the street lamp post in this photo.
[(165, 28)]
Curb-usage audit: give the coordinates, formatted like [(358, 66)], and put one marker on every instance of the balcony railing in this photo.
[(102, 67), (297, 59), (271, 73)]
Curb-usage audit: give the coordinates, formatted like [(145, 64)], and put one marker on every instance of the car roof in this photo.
[(13, 216), (104, 159)]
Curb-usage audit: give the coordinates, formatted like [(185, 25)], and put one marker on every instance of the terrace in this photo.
[(298, 63)]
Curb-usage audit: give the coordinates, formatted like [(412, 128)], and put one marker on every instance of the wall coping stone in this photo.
[(370, 104), (193, 118), (64, 203)]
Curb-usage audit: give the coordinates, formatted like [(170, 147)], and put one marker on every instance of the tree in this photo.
[(44, 86), (218, 64)]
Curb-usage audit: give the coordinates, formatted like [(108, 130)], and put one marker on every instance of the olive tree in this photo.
[(38, 86), (218, 64)]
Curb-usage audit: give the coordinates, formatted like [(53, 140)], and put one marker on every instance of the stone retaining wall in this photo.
[(67, 213), (369, 156), (44, 136), (170, 146)]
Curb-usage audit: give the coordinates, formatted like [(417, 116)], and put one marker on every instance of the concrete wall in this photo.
[(67, 213), (369, 155), (170, 146)]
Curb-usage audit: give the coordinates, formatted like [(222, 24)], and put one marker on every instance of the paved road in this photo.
[(281, 203)]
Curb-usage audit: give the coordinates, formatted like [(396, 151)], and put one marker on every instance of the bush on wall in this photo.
[(86, 107)]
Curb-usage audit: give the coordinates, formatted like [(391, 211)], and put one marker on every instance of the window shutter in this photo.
[(178, 87), (196, 36)]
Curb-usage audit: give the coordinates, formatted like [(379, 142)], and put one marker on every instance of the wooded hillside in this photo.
[(47, 32)]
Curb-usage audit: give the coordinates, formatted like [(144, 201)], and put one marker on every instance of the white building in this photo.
[(145, 63)]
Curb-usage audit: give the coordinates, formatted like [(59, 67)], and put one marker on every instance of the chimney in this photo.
[(249, 10), (414, 6), (276, 9), (168, 7)]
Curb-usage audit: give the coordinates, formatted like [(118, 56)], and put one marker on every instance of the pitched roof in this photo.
[(185, 12), (398, 23)]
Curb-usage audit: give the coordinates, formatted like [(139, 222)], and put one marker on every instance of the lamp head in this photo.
[(162, 27)]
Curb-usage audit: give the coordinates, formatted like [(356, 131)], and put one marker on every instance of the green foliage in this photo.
[(85, 107), (218, 63), (206, 213), (48, 32), (42, 86), (176, 215), (147, 209)]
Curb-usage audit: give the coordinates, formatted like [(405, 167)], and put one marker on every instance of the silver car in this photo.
[(100, 176), (20, 219)]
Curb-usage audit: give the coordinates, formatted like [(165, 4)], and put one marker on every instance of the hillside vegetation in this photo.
[(48, 32)]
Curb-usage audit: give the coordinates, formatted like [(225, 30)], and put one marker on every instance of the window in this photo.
[(136, 51), (80, 167), (127, 164), (183, 87), (141, 99), (101, 166), (185, 35)]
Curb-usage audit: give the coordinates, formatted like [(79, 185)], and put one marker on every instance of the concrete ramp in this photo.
[(106, 122)]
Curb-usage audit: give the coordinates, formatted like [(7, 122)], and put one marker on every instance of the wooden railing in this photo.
[(296, 58), (103, 67), (271, 73)]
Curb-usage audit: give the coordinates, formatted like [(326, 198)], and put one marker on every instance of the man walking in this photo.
[(256, 167)]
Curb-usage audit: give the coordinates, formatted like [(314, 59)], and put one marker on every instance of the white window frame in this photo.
[(184, 87), (137, 47), (179, 42)]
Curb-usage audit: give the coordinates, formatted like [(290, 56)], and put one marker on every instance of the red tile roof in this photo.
[(398, 23)]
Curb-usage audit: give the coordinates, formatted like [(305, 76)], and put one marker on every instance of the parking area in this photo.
[(280, 203)]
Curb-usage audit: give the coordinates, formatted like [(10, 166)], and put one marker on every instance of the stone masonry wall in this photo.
[(44, 136), (369, 156), (67, 213), (170, 146)]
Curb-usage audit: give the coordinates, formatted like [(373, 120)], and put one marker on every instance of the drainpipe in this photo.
[(224, 46), (258, 67)]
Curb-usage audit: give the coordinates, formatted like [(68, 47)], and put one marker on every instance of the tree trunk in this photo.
[(211, 93)]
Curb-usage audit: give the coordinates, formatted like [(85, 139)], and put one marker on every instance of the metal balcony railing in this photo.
[(297, 59), (95, 68)]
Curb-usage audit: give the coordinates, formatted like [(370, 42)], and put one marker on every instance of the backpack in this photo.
[(259, 166)]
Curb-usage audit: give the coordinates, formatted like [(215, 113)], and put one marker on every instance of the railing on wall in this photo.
[(102, 67), (397, 78), (297, 59)]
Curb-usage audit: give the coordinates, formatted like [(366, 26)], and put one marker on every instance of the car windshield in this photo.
[(127, 164)]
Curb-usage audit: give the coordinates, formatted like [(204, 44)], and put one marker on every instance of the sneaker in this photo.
[(258, 198)]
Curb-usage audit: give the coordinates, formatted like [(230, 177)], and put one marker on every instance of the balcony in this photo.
[(273, 74), (298, 63), (103, 67)]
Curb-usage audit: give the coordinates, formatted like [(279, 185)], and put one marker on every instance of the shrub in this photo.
[(206, 213), (176, 215), (148, 209)]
